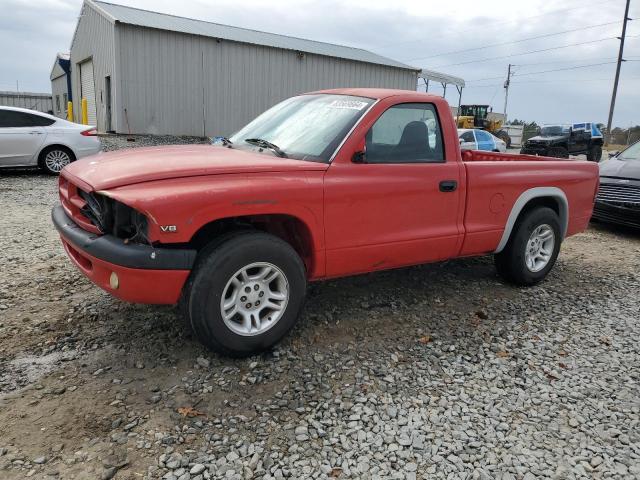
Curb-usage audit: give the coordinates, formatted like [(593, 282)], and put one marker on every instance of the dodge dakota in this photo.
[(322, 185)]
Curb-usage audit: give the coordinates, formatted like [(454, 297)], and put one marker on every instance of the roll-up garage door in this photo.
[(88, 91)]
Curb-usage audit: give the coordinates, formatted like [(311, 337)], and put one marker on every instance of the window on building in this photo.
[(57, 103)]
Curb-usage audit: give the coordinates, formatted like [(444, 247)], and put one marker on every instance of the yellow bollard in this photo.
[(70, 111), (85, 112)]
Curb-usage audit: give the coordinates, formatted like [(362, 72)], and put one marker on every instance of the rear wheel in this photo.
[(595, 153), (53, 159), (532, 249), (246, 293)]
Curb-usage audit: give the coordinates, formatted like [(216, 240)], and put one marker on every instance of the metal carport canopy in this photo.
[(443, 79)]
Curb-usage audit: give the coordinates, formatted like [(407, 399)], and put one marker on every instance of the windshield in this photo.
[(554, 130), (308, 127), (631, 153)]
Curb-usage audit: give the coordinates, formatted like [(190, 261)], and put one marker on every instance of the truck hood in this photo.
[(137, 165), (546, 139), (613, 167)]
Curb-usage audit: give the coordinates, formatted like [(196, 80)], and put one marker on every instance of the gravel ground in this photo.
[(437, 371)]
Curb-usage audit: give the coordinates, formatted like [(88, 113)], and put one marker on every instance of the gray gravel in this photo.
[(116, 142), (438, 371)]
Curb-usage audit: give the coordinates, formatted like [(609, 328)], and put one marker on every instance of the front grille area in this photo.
[(619, 194), (102, 215), (74, 204)]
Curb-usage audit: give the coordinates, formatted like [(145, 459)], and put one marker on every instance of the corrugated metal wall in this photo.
[(33, 101), (94, 38), (58, 94), (162, 84), (181, 84), (242, 81)]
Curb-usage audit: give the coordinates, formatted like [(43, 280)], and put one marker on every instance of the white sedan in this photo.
[(34, 139), (476, 139)]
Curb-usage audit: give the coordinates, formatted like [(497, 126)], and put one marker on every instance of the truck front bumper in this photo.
[(132, 272)]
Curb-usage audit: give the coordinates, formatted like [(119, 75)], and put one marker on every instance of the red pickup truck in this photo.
[(322, 185)]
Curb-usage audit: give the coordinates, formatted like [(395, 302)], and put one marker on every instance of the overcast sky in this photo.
[(421, 33)]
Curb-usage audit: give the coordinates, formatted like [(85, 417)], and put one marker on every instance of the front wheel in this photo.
[(532, 249), (558, 152), (245, 294)]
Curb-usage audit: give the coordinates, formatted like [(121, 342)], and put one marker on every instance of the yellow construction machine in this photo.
[(477, 116)]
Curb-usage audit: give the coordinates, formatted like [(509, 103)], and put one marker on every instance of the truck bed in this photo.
[(495, 181), (484, 156)]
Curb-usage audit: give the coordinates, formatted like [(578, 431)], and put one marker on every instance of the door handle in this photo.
[(448, 185), (35, 133)]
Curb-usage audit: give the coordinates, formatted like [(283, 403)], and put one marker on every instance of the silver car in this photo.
[(34, 139)]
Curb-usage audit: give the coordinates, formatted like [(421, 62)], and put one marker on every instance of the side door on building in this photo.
[(21, 136), (399, 205)]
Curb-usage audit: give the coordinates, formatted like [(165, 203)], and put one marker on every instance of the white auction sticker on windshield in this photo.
[(350, 104)]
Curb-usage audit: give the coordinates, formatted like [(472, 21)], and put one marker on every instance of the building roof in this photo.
[(56, 69), (441, 77), (161, 21), (11, 93)]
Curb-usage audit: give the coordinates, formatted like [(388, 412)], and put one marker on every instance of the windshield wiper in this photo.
[(265, 144)]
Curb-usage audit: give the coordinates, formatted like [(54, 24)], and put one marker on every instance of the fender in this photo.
[(524, 198)]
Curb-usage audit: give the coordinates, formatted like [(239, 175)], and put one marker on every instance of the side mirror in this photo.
[(360, 155), (613, 154)]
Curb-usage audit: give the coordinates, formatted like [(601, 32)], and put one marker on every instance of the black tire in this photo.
[(58, 150), (558, 152), (595, 153), (511, 263), (216, 265)]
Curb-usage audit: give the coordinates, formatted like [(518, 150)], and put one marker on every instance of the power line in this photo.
[(575, 67), (558, 61), (559, 80), (526, 53), (519, 20), (546, 35)]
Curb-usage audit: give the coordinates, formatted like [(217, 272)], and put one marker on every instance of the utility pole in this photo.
[(620, 60), (506, 91)]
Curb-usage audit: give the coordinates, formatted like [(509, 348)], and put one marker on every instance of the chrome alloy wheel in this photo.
[(56, 160), (254, 299), (539, 248)]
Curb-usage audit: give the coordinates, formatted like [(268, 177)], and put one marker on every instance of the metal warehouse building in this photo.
[(30, 100), (146, 72), (60, 85)]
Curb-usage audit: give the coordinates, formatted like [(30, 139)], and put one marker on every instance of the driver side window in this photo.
[(406, 133)]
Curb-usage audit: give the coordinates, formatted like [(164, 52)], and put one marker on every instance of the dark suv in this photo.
[(564, 140)]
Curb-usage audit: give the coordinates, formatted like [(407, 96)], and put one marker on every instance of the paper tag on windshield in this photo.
[(350, 104)]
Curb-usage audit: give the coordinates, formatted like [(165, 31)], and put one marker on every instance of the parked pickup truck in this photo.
[(322, 185)]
